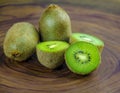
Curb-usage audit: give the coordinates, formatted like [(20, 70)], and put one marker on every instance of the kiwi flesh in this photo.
[(20, 41), (54, 24), (82, 58), (51, 53), (75, 37)]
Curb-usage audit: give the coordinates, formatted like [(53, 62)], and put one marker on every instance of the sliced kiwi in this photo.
[(82, 57), (75, 37), (51, 53)]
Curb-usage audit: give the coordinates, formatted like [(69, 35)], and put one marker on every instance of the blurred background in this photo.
[(111, 6)]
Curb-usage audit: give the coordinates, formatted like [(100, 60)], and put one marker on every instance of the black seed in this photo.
[(82, 36)]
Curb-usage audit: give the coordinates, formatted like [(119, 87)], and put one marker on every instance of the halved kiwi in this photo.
[(82, 57), (51, 53), (75, 37)]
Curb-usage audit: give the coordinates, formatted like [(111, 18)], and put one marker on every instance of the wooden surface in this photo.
[(96, 17)]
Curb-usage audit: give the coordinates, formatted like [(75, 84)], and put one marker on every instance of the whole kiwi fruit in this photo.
[(54, 24), (20, 41)]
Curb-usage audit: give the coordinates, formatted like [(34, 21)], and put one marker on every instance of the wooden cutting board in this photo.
[(100, 18)]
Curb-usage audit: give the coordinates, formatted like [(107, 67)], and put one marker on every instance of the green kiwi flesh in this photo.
[(75, 37), (82, 58), (54, 24), (51, 53), (20, 41)]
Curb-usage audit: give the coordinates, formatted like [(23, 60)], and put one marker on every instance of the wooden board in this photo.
[(29, 76)]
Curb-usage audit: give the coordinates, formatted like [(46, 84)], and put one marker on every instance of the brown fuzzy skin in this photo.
[(50, 60), (54, 24), (20, 41)]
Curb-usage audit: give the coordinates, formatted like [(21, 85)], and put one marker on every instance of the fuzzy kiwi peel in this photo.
[(54, 24), (20, 41), (51, 53), (82, 58), (76, 37)]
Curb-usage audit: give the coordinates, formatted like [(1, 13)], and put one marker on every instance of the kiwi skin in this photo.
[(51, 60), (20, 41), (73, 40), (54, 24)]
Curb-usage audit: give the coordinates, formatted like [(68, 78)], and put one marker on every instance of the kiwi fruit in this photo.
[(20, 41), (75, 37), (54, 24), (82, 57), (51, 53)]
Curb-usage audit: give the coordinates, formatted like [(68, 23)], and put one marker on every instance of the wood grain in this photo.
[(31, 77)]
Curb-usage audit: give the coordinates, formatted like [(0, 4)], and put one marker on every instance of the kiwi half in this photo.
[(82, 57), (75, 37), (51, 53)]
